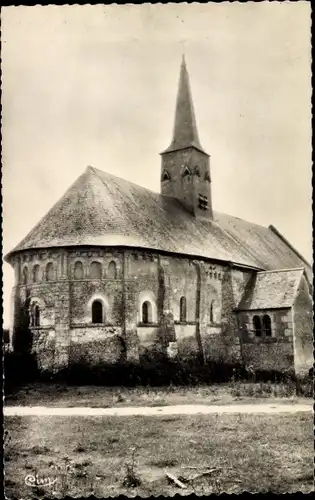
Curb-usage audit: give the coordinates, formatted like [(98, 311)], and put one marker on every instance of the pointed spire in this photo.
[(185, 132)]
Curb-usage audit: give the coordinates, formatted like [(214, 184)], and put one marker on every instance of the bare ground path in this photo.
[(158, 410)]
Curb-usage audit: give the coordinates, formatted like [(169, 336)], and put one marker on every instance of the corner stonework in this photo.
[(43, 348), (130, 324), (62, 326)]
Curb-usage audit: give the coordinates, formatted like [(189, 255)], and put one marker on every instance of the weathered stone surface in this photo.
[(44, 348), (273, 356), (97, 352), (211, 330), (303, 330)]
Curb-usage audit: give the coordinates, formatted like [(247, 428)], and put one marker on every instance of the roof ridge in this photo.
[(275, 231), (96, 170), (240, 218)]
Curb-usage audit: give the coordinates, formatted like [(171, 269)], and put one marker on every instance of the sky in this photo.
[(96, 85)]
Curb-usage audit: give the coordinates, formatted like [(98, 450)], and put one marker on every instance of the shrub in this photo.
[(19, 368), (131, 478), (151, 372), (157, 370)]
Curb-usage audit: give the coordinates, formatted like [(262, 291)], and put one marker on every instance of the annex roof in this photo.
[(104, 210), (271, 289)]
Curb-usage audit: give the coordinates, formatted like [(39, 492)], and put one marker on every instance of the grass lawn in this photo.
[(100, 396), (251, 452)]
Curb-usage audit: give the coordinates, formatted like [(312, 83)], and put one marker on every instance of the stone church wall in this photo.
[(210, 331), (224, 285), (303, 330), (187, 345), (273, 353), (93, 345), (183, 282), (149, 340), (142, 275), (83, 293)]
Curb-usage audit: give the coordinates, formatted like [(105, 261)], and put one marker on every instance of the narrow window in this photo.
[(182, 309), (78, 270), (166, 176), (257, 326), (146, 312), (36, 315), (212, 312), (50, 272), (267, 325), (97, 312), (203, 202), (196, 171), (186, 171), (31, 315), (112, 271), (96, 270), (36, 272), (25, 276)]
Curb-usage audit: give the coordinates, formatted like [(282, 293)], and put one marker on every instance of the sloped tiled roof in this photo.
[(271, 289), (102, 209)]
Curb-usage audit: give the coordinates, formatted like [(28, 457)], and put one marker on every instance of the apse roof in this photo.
[(104, 210)]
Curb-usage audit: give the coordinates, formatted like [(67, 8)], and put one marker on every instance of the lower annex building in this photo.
[(115, 272)]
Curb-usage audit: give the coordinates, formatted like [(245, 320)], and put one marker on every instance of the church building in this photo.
[(116, 273)]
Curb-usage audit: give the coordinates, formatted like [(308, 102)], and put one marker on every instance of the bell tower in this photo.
[(185, 171)]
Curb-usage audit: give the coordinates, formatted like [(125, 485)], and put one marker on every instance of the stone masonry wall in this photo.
[(182, 281), (83, 293), (94, 345), (273, 353), (211, 331), (44, 347), (140, 275), (303, 330), (187, 187)]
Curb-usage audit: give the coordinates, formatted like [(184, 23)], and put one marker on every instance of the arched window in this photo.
[(97, 312), (146, 312), (25, 276), (78, 270), (257, 326), (182, 309), (49, 271), (267, 325), (212, 312), (36, 273), (35, 315), (96, 270), (112, 271)]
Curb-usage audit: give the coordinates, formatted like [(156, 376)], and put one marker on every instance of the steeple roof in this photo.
[(185, 133)]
